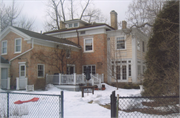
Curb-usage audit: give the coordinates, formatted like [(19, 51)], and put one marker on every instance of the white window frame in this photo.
[(77, 25), (43, 70), (85, 45), (138, 45), (3, 47), (16, 45), (91, 68), (124, 42), (71, 24)]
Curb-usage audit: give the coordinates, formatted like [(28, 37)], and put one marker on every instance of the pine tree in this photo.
[(162, 74)]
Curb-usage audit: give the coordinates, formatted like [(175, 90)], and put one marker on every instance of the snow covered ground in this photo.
[(77, 107)]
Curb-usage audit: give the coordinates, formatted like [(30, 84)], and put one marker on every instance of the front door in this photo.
[(70, 69), (4, 76), (22, 76)]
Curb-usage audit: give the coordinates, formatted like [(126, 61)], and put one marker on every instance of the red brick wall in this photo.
[(99, 54)]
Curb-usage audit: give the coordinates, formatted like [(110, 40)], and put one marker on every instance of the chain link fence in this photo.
[(26, 105), (145, 107), (149, 107)]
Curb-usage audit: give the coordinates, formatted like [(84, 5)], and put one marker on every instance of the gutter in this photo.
[(23, 52)]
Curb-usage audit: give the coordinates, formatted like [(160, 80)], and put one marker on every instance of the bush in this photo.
[(126, 85)]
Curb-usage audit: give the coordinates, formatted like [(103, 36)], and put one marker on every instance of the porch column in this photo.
[(74, 78), (17, 83), (59, 78), (102, 78), (8, 83), (83, 78), (92, 80)]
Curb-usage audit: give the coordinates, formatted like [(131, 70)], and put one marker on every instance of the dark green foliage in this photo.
[(161, 76), (126, 85)]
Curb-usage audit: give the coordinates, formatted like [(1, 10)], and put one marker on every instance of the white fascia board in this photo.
[(82, 29), (11, 29), (52, 42)]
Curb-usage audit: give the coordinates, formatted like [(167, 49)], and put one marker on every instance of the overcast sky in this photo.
[(36, 9)]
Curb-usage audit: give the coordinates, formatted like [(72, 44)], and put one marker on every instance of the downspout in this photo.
[(77, 36), (23, 52)]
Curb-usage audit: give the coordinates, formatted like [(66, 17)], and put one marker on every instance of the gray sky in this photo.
[(36, 9)]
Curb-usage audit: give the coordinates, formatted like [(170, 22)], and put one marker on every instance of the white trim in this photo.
[(120, 39), (14, 30), (43, 71), (2, 47), (81, 29), (85, 45), (20, 45), (21, 62)]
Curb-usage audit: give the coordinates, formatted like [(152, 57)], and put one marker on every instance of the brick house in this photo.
[(105, 49), (18, 47), (114, 52)]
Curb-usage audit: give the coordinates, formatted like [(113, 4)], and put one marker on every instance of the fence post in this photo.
[(113, 105), (62, 104), (7, 104), (102, 78), (17, 83), (59, 78), (8, 83), (117, 105), (74, 78)]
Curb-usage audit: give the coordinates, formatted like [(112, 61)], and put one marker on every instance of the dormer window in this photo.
[(75, 24), (70, 25)]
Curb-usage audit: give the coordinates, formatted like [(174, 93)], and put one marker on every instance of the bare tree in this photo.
[(60, 10), (57, 58), (9, 16), (142, 14), (25, 23)]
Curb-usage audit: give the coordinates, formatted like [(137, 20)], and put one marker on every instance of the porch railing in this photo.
[(73, 79)]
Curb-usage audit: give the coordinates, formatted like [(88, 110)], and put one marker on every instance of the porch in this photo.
[(74, 81)]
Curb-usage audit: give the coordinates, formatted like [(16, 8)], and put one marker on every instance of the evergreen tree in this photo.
[(162, 74)]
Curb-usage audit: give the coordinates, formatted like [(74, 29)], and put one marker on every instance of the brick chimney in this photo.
[(114, 19), (62, 25), (124, 24)]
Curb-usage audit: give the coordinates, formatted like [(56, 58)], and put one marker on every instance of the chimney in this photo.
[(114, 19), (62, 25), (124, 24)]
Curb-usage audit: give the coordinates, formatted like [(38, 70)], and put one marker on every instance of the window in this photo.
[(82, 32), (88, 45), (4, 47), (143, 46), (92, 69), (68, 53), (139, 70), (129, 70), (138, 45), (112, 70), (120, 43), (70, 25), (124, 72), (40, 70), (17, 45), (118, 75), (75, 24), (144, 69)]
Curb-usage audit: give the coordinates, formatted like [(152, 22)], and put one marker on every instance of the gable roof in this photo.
[(46, 37)]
